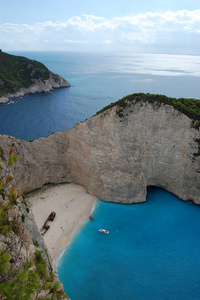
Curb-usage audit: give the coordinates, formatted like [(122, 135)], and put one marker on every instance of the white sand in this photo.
[(72, 205)]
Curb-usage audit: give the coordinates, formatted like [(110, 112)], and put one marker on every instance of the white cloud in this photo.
[(108, 42), (92, 17), (144, 28), (75, 41), (89, 23), (150, 19), (143, 37)]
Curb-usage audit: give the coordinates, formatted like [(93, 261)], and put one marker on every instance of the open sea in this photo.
[(153, 249), (96, 81)]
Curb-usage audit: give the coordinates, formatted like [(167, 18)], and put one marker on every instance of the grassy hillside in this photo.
[(19, 72), (189, 107)]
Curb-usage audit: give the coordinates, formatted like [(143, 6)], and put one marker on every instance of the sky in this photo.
[(155, 26)]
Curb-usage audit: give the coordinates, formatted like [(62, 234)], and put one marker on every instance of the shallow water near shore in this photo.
[(153, 249), (152, 252)]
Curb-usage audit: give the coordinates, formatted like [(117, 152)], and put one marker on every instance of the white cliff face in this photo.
[(116, 158), (38, 86)]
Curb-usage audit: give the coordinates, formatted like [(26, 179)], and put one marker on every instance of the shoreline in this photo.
[(72, 205), (73, 234), (28, 91)]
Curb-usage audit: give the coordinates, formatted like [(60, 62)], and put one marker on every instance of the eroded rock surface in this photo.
[(116, 158)]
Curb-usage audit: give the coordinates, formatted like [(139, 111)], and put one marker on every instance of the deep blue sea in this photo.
[(153, 249), (97, 80)]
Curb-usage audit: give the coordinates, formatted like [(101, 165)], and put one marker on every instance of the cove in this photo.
[(152, 252)]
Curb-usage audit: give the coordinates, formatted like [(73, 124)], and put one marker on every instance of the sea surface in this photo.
[(153, 249), (96, 81), (151, 253)]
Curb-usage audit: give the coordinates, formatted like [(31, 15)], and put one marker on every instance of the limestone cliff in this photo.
[(26, 271), (20, 76), (116, 154)]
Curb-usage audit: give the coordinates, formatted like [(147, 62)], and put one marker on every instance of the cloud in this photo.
[(92, 17), (89, 23), (75, 41), (108, 42), (92, 23), (139, 29), (156, 19), (143, 37)]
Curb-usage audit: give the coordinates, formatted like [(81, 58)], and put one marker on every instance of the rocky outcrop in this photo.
[(20, 76), (115, 157), (23, 255), (38, 86)]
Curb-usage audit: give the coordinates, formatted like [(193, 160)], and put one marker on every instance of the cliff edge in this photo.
[(20, 76), (137, 142)]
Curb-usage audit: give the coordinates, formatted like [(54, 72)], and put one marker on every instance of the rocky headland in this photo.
[(134, 143), (139, 141), (20, 76)]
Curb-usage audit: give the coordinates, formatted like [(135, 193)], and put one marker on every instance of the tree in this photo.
[(23, 272)]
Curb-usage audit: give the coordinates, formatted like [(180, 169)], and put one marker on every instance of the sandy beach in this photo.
[(72, 205)]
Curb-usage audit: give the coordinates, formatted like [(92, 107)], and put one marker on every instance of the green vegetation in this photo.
[(21, 285), (22, 276), (189, 107), (30, 281), (19, 72)]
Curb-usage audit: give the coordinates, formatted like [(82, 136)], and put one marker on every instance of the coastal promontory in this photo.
[(20, 76), (139, 141)]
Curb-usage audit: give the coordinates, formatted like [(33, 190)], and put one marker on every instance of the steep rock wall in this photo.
[(116, 158), (20, 76), (38, 86)]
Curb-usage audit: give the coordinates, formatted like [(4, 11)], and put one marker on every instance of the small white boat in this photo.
[(104, 231)]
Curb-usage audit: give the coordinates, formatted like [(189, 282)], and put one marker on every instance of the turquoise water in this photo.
[(152, 252), (153, 249)]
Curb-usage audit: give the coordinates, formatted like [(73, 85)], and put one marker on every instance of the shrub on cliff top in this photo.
[(189, 107), (19, 72)]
